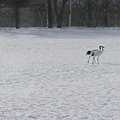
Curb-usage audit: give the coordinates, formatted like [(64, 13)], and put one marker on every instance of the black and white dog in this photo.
[(94, 53)]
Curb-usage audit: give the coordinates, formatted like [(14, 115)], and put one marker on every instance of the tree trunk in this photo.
[(105, 13), (59, 21), (49, 10), (40, 16), (89, 11), (115, 15), (70, 13), (17, 17)]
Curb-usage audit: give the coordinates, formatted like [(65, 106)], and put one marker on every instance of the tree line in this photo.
[(59, 13)]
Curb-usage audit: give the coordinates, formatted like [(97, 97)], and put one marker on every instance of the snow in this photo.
[(44, 74)]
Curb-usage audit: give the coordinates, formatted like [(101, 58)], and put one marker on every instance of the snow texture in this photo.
[(44, 74)]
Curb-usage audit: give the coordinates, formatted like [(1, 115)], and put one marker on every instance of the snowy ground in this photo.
[(44, 74)]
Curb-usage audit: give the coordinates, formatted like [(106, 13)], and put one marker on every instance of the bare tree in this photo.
[(16, 4), (70, 13), (49, 10), (105, 6), (89, 12), (59, 11)]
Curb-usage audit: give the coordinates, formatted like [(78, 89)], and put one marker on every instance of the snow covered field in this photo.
[(44, 74)]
